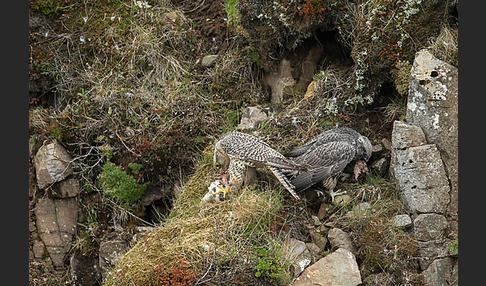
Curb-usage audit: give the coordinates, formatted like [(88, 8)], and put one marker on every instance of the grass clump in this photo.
[(117, 183), (225, 243)]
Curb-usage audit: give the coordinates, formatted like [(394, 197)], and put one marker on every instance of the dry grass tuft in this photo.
[(207, 236), (445, 46)]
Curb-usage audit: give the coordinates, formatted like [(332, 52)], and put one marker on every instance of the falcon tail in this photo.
[(284, 181)]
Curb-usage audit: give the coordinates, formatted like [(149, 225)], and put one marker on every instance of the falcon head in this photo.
[(220, 159), (364, 147)]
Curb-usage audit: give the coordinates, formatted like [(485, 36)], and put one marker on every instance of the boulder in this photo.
[(439, 272), (65, 189), (84, 270), (418, 171), (110, 251), (250, 118), (429, 226), (337, 268), (341, 239), (433, 105), (52, 164), (56, 223), (403, 220)]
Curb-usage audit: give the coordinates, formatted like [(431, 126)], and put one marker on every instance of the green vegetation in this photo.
[(119, 184), (271, 265), (233, 14)]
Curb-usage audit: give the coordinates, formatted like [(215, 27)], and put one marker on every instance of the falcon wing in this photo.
[(328, 160), (339, 134)]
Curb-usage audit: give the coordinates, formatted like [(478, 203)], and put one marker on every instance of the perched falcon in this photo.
[(237, 152), (326, 156)]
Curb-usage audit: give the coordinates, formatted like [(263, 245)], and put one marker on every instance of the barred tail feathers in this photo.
[(284, 181)]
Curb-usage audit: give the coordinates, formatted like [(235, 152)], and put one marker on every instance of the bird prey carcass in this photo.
[(239, 153), (326, 156)]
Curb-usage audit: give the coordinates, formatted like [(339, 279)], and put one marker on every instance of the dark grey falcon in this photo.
[(326, 156)]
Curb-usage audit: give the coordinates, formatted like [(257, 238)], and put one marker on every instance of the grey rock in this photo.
[(337, 268), (341, 239), (150, 196), (314, 249), (454, 280), (84, 270), (403, 220), (295, 246), (377, 151), (439, 272), (32, 181), (251, 117), (380, 167), (433, 105), (418, 171), (405, 136), (429, 226), (386, 143), (56, 223), (301, 262), (32, 226), (68, 188), (109, 252), (38, 249), (209, 60), (52, 164), (430, 250)]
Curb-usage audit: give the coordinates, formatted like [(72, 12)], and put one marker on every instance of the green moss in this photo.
[(233, 14), (118, 184), (50, 8), (271, 265)]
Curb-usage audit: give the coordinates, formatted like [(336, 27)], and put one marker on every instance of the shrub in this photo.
[(117, 183), (272, 265), (179, 274)]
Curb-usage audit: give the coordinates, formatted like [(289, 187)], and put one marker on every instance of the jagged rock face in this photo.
[(337, 268), (433, 105), (110, 251), (52, 164), (424, 165), (56, 224), (418, 170), (84, 270)]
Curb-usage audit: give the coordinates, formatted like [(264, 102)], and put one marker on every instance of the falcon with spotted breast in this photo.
[(238, 152)]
